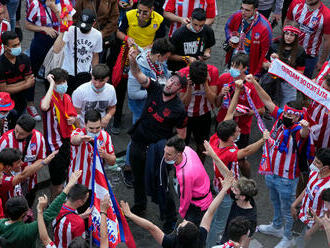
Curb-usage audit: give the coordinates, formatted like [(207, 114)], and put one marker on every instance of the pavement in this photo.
[(264, 207)]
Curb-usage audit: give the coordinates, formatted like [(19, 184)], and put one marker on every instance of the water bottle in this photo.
[(225, 100)]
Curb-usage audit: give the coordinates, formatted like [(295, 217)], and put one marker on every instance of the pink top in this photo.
[(194, 182)]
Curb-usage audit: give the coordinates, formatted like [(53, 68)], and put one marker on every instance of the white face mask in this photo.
[(93, 135), (312, 167), (2, 116)]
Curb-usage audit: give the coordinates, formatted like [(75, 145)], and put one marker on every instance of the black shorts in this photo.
[(200, 127), (58, 167), (243, 141)]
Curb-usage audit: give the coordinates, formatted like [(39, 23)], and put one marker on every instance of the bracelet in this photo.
[(104, 213)]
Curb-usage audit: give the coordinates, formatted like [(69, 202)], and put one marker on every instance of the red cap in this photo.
[(292, 29), (6, 103)]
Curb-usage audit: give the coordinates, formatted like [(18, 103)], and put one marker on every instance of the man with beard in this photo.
[(313, 19), (162, 112), (289, 136)]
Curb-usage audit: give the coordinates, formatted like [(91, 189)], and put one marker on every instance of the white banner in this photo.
[(300, 82)]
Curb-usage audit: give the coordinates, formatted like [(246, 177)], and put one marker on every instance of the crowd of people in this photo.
[(91, 54)]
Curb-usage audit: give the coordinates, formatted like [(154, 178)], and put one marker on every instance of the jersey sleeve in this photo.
[(108, 145), (211, 9), (289, 14), (99, 43), (77, 98), (32, 11), (169, 6), (277, 112)]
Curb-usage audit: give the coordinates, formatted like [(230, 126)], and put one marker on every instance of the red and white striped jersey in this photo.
[(184, 8), (67, 227), (7, 189), (228, 156), (4, 26), (312, 197), (228, 244), (199, 104), (82, 155), (313, 24), (40, 15), (36, 150), (284, 164), (325, 70), (321, 130)]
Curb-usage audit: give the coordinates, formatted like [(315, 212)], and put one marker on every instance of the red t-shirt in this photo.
[(244, 122)]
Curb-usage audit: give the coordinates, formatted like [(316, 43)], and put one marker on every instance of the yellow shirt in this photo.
[(143, 36)]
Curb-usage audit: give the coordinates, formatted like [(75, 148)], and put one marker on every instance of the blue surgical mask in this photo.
[(98, 90), (194, 30), (2, 116), (61, 88), (93, 135), (234, 72), (15, 51), (170, 162)]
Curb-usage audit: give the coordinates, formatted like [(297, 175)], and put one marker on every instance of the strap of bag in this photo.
[(58, 221), (27, 141), (75, 52)]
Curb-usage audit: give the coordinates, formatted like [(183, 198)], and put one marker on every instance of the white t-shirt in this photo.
[(87, 44), (85, 98)]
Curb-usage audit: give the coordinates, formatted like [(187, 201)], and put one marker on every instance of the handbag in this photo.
[(118, 71)]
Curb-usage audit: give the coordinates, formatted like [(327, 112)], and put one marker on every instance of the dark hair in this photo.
[(238, 227), (240, 59), (15, 207), (100, 71), (323, 154), (78, 242), (60, 75), (148, 3), (177, 143), (188, 235), (162, 46), (182, 79), (226, 129), (295, 104), (27, 122), (77, 192), (198, 72), (291, 60), (325, 195), (251, 2), (8, 35), (198, 14), (247, 187), (10, 155), (92, 115)]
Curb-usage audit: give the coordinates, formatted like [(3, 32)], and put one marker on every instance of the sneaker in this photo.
[(33, 112), (115, 130), (127, 176), (271, 230), (286, 243)]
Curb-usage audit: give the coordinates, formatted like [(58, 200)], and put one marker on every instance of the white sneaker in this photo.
[(286, 243), (33, 112), (271, 230)]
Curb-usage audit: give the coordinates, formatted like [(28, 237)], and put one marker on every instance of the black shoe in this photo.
[(138, 210), (169, 227), (128, 177)]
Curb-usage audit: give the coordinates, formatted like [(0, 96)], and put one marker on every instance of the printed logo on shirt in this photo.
[(83, 45), (232, 150), (21, 67), (190, 47), (30, 158), (33, 146), (314, 20), (166, 112), (257, 36), (155, 26)]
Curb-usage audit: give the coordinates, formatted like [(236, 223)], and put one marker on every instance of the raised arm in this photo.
[(233, 103), (105, 204), (253, 148), (140, 77), (45, 102), (42, 204)]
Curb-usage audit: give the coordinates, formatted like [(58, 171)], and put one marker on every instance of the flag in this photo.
[(118, 229)]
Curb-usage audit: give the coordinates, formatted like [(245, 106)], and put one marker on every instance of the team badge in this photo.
[(166, 112), (21, 67), (33, 146), (314, 20), (257, 36), (155, 26)]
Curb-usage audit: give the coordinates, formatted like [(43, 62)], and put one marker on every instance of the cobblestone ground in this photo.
[(142, 237)]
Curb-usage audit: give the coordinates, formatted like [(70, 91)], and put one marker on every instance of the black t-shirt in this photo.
[(14, 73), (235, 211), (188, 43), (171, 240), (159, 118)]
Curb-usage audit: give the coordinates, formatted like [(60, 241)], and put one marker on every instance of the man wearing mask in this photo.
[(16, 76), (192, 41), (7, 120), (82, 147), (313, 19), (248, 32), (97, 94), (89, 45), (59, 115), (290, 135)]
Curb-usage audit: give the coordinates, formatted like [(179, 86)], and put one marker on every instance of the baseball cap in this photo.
[(6, 103), (87, 19)]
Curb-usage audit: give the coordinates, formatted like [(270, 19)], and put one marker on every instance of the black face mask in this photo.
[(287, 122)]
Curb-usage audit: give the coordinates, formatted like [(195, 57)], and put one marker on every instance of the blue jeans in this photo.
[(12, 8), (282, 194), (310, 64), (219, 221)]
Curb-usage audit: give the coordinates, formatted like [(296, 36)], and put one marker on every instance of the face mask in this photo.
[(170, 162), (2, 116), (98, 90), (194, 30), (287, 122), (234, 72), (93, 135), (61, 88), (15, 51), (237, 139), (312, 167), (251, 18)]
